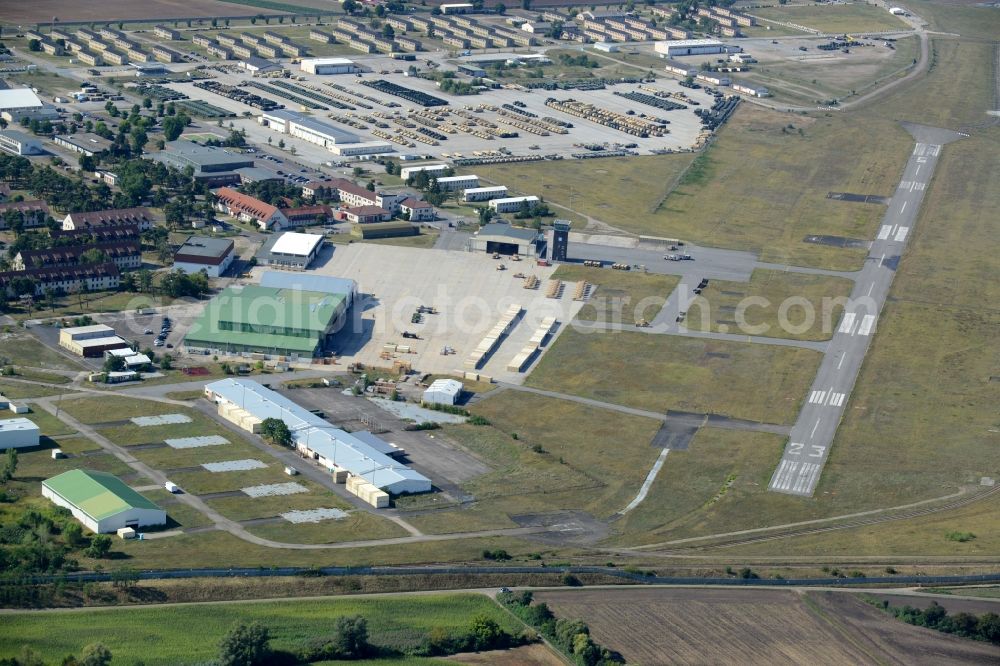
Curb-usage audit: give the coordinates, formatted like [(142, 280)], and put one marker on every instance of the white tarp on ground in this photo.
[(313, 515), (195, 442), (275, 489), (234, 465), (162, 419)]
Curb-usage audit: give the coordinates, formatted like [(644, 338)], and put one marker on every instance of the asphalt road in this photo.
[(812, 435)]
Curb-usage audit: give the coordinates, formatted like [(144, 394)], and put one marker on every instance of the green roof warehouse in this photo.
[(102, 501), (269, 320)]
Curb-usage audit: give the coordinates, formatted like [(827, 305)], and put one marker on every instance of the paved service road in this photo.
[(812, 435)]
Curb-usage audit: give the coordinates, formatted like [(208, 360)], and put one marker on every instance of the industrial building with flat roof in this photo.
[(329, 66), (17, 103), (91, 341), (211, 164), (684, 47), (85, 143), (502, 238), (101, 501), (19, 433), (511, 204), (290, 250), (212, 255), (20, 143), (268, 320), (314, 437), (485, 193), (443, 392)]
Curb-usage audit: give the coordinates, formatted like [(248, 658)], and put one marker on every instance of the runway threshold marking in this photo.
[(884, 232), (901, 234), (848, 323), (866, 325)]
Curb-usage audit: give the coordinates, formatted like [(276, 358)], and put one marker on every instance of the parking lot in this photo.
[(465, 288)]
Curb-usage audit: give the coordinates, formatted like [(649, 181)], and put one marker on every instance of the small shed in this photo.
[(443, 392)]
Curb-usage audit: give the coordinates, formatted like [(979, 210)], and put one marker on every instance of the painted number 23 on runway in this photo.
[(815, 450)]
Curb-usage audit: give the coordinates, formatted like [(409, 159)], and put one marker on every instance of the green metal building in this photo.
[(268, 320), (102, 501)]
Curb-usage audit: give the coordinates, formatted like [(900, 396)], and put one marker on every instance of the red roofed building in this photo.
[(305, 215), (245, 207), (66, 280), (417, 210), (366, 214), (140, 217), (35, 213)]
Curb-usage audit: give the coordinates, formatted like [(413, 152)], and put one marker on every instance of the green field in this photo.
[(590, 459), (720, 471), (969, 20), (661, 372), (358, 526), (802, 296), (836, 18), (22, 348), (190, 634), (621, 296)]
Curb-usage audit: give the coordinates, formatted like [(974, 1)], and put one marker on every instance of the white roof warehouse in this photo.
[(334, 447)]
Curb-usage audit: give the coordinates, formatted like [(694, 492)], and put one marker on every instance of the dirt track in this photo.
[(686, 626)]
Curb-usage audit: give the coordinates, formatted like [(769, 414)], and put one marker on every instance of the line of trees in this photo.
[(570, 636), (985, 627)]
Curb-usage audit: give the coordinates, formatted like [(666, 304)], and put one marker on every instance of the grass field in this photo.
[(654, 372), (22, 348), (799, 294), (621, 296), (605, 455), (967, 19), (190, 634), (838, 18), (718, 473), (357, 526), (615, 191), (421, 240), (18, 390)]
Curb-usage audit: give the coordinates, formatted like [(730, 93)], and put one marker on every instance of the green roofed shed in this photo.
[(102, 501)]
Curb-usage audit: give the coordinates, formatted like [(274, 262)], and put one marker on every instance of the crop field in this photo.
[(621, 296), (191, 634), (661, 372), (797, 296), (42, 11), (839, 18), (699, 626)]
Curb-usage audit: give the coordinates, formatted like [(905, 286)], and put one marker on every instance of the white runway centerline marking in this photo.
[(843, 355), (848, 323), (901, 234), (903, 207), (881, 260), (917, 172), (816, 425), (866, 325), (870, 288), (884, 232)]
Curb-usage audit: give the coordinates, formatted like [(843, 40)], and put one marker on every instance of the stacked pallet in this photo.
[(531, 282), (239, 417), (520, 361), (378, 498), (488, 344), (582, 291), (552, 291)]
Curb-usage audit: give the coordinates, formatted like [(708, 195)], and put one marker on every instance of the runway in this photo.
[(812, 435)]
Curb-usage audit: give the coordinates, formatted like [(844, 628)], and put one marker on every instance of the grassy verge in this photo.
[(798, 296), (839, 18), (622, 296), (191, 634), (19, 390), (653, 372)]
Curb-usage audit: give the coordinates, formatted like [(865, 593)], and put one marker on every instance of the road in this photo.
[(812, 435)]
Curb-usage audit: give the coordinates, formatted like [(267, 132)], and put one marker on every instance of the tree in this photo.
[(34, 45), (9, 466), (350, 637), (73, 534), (350, 6), (114, 364), (100, 546), (276, 431), (125, 578), (245, 645), (486, 633), (95, 654), (174, 125), (500, 8)]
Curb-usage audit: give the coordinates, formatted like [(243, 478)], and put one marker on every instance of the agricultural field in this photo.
[(699, 626), (621, 296), (191, 634), (792, 298), (840, 18), (43, 10), (654, 372)]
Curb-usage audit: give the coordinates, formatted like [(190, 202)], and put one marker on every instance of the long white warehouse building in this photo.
[(335, 139), (316, 438)]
